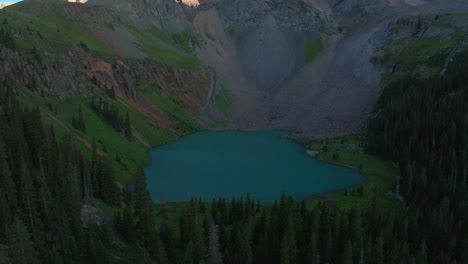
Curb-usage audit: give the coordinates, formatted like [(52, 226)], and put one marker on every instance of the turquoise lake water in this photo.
[(234, 163)]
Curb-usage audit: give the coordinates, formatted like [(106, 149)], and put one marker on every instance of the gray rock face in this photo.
[(92, 215), (166, 14), (267, 56), (302, 18), (271, 35), (242, 13), (290, 14), (364, 7), (169, 13)]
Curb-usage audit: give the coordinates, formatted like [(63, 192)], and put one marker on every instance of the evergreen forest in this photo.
[(420, 124)]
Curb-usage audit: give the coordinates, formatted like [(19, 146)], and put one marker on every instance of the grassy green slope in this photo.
[(161, 54), (312, 49), (381, 175), (51, 32), (427, 52)]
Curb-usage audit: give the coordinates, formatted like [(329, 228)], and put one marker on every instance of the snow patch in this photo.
[(193, 3)]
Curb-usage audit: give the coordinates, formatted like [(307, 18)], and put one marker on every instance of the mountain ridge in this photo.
[(330, 93)]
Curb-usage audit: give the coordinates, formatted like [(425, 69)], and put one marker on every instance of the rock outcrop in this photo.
[(290, 15), (361, 7), (3, 5)]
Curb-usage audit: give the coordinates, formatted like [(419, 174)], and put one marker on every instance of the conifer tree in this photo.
[(21, 246), (144, 213), (29, 205), (167, 235), (81, 122), (214, 254), (7, 190), (127, 224), (127, 126), (348, 253), (288, 247), (421, 257)]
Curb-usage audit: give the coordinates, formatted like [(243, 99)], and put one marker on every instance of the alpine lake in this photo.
[(225, 164)]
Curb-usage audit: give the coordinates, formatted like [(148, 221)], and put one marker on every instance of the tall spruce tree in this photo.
[(22, 249), (214, 255)]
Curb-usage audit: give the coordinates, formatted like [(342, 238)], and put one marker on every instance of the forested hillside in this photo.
[(423, 126), (44, 182)]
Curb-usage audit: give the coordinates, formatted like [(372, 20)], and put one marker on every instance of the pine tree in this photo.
[(106, 184), (97, 251), (144, 212), (80, 122), (421, 257), (158, 249), (241, 251), (348, 253), (128, 224), (378, 253), (29, 206), (313, 251), (262, 250), (288, 253), (19, 240), (127, 126), (196, 246), (7, 190), (167, 235), (214, 253)]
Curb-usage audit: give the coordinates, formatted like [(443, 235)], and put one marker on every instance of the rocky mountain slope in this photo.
[(311, 66), (260, 51)]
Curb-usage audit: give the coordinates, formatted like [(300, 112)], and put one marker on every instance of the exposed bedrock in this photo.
[(270, 36), (267, 55)]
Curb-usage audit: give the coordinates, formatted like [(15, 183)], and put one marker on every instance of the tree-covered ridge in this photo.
[(423, 125), (44, 183)]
